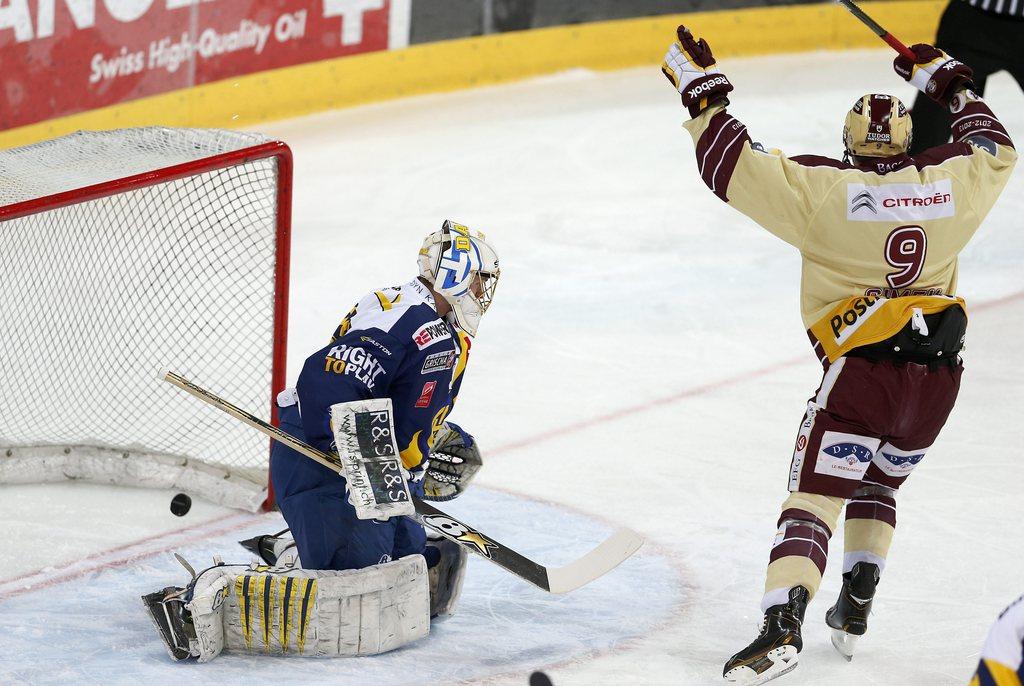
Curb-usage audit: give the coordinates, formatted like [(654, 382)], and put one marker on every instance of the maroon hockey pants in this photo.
[(870, 423)]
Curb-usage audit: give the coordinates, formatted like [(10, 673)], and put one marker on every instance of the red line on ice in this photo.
[(135, 551), (649, 405), (73, 570), (622, 412)]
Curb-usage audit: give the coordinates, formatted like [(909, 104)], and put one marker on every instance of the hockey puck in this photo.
[(540, 679), (181, 504)]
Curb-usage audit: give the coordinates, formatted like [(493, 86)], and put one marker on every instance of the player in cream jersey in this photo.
[(879, 234)]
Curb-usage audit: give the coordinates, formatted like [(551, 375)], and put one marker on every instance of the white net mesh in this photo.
[(86, 158), (97, 297)]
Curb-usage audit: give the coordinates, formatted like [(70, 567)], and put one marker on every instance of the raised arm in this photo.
[(947, 81), (778, 193)]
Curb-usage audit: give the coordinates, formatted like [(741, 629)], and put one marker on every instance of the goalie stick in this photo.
[(605, 557)]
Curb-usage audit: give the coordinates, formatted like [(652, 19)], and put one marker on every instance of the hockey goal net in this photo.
[(125, 252)]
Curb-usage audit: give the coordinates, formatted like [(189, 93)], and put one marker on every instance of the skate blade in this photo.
[(844, 643), (783, 661)]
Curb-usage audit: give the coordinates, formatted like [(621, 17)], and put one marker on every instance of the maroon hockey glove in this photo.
[(691, 68), (935, 73)]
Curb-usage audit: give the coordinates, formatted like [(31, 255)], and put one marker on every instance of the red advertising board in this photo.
[(59, 57)]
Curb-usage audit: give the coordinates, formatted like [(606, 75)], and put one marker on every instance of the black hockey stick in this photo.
[(614, 550)]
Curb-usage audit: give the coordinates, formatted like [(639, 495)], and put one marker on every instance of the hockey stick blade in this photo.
[(598, 562), (615, 549)]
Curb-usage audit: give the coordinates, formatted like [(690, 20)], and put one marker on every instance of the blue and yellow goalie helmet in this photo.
[(462, 267)]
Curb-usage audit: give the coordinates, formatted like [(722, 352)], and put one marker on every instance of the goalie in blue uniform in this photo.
[(409, 343), (352, 579)]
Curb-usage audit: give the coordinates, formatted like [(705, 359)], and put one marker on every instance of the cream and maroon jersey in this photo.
[(876, 245)]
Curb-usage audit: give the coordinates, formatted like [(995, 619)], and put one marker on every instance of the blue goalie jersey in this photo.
[(392, 344)]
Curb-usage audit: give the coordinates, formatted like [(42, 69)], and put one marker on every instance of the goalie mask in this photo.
[(462, 268), (877, 126)]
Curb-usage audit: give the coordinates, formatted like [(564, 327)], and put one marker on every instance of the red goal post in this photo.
[(124, 252)]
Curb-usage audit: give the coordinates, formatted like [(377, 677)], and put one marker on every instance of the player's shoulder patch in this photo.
[(430, 333), (440, 361), (986, 144)]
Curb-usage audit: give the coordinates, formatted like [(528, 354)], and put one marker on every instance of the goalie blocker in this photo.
[(364, 433)]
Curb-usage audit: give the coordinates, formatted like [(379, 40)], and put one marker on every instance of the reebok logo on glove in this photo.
[(705, 91), (707, 86)]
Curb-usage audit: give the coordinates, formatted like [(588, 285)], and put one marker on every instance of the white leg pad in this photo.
[(311, 613), (207, 611)]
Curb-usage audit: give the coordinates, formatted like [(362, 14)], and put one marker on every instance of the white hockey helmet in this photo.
[(461, 267)]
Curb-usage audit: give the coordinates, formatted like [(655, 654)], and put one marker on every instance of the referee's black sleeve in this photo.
[(1004, 8)]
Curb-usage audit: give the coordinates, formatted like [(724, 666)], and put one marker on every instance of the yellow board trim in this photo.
[(247, 101)]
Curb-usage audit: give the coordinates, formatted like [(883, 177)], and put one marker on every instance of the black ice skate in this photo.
[(773, 653), (265, 547), (446, 575), (262, 547), (167, 610), (849, 616)]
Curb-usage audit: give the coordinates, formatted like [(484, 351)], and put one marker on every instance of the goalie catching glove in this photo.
[(691, 68), (454, 461)]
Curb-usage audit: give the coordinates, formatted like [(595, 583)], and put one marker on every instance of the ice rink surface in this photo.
[(644, 365)]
